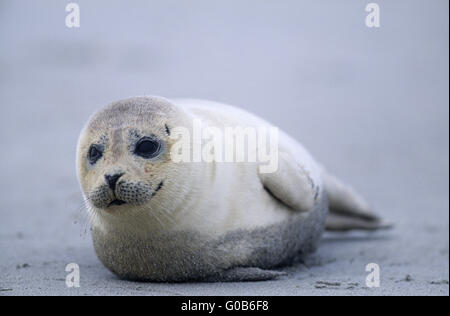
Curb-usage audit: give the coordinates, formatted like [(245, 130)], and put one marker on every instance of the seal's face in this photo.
[(124, 154), (122, 166)]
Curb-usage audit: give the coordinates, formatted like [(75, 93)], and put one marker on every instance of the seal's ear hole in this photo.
[(167, 129)]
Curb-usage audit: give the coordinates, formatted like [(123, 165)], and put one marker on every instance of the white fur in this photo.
[(208, 217), (236, 198)]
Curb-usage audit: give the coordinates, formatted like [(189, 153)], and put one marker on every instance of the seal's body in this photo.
[(159, 220)]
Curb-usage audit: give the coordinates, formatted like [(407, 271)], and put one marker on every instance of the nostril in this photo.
[(111, 180)]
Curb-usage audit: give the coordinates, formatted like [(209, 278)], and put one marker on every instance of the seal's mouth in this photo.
[(138, 198), (117, 202)]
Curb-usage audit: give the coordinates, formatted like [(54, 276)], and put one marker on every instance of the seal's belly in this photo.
[(187, 256)]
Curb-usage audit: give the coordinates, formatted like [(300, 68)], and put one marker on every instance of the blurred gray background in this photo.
[(370, 104)]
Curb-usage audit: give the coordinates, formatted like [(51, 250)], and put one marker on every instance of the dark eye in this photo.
[(147, 148), (95, 153)]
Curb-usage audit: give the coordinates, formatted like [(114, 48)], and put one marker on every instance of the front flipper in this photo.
[(242, 274), (291, 184)]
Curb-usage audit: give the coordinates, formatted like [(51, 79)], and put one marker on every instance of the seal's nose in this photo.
[(111, 180)]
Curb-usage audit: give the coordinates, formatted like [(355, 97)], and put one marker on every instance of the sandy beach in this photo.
[(370, 104)]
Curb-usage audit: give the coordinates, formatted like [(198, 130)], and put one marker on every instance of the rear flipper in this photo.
[(242, 274), (341, 223), (348, 210)]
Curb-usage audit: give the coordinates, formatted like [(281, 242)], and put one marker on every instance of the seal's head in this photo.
[(123, 158)]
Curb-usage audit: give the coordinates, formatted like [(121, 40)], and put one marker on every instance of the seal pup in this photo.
[(154, 219)]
